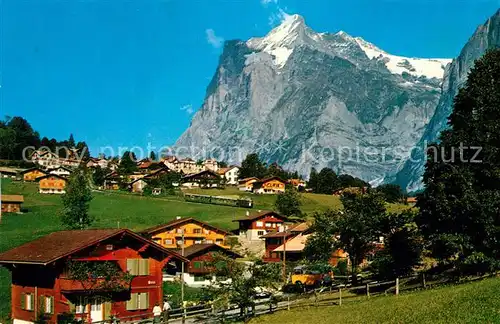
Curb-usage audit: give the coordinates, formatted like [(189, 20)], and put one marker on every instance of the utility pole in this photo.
[(182, 281), (284, 257)]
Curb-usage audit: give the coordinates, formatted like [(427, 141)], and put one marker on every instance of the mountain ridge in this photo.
[(294, 93)]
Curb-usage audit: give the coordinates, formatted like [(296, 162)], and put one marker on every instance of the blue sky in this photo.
[(128, 72)]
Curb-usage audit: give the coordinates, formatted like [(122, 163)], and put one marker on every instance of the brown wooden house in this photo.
[(256, 225), (42, 283), (198, 271), (11, 203), (52, 184)]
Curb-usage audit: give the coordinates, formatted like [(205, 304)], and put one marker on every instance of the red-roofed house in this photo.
[(256, 225), (41, 283), (198, 272)]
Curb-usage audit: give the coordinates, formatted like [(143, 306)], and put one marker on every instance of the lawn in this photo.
[(114, 209), (310, 202), (476, 302), (110, 209)]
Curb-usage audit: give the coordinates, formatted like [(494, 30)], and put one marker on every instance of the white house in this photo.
[(230, 174), (60, 171)]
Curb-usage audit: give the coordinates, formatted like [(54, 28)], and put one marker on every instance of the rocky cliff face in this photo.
[(487, 36), (307, 99)]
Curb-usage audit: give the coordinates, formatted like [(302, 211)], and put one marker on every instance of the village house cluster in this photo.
[(42, 281)]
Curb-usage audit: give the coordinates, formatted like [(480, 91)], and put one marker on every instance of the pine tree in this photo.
[(460, 205)]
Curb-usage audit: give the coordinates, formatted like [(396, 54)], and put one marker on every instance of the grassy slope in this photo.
[(126, 211), (476, 302)]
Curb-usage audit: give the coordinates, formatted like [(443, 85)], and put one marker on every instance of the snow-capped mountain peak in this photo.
[(292, 32), (430, 68)]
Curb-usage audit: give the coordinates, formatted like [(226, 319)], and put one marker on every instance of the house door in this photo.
[(96, 310)]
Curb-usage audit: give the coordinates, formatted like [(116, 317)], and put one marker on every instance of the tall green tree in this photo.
[(288, 203), (403, 245), (460, 205), (326, 181), (127, 163), (76, 201), (152, 156), (24, 137), (354, 230), (71, 141), (252, 166), (83, 150), (391, 192), (313, 180)]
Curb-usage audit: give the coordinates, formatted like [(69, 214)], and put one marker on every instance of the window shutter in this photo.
[(133, 266), (32, 306), (144, 267), (42, 304), (132, 302), (52, 306), (23, 301), (144, 300), (107, 310)]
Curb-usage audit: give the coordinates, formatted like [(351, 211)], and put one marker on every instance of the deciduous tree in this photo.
[(76, 201)]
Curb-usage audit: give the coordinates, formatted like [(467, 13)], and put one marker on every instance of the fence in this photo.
[(335, 295)]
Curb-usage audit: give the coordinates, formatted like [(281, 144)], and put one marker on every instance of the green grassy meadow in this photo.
[(124, 210), (475, 302)]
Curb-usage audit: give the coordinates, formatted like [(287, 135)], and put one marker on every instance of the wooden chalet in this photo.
[(6, 172), (43, 284), (33, 174), (272, 185), (52, 184), (246, 184), (198, 272), (170, 234), (256, 225), (203, 179), (11, 203)]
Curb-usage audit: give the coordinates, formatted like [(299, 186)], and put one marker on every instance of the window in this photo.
[(219, 241), (274, 225), (47, 304), (197, 264), (197, 231), (138, 301), (260, 233), (197, 242), (209, 241), (268, 224), (80, 306), (27, 301), (168, 241), (179, 231), (138, 267), (259, 224)]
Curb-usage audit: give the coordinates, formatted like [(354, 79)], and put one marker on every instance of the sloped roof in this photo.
[(261, 215), (194, 249), (33, 169), (61, 244), (177, 222), (195, 175), (51, 175), (12, 198), (296, 244)]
